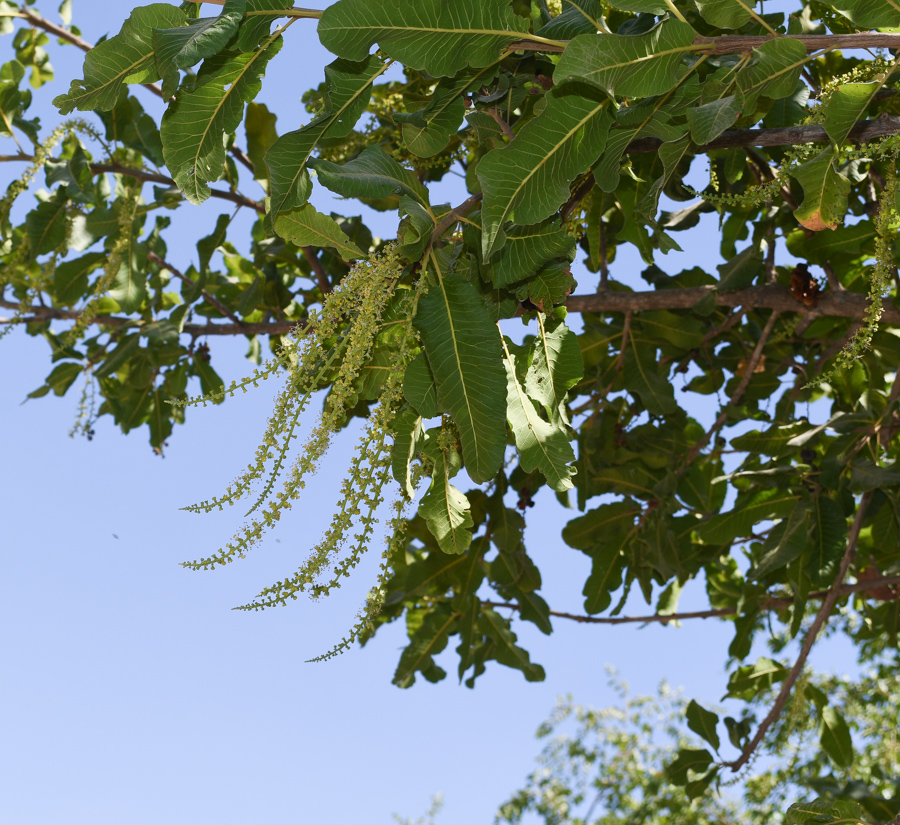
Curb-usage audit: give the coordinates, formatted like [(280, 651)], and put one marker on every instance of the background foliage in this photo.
[(569, 125)]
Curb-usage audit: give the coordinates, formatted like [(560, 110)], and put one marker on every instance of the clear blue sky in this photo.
[(131, 693)]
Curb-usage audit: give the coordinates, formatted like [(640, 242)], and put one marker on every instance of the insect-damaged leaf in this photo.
[(825, 192)]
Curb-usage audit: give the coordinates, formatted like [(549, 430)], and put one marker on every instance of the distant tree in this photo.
[(609, 766), (569, 126)]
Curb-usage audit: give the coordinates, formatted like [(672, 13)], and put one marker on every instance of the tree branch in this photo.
[(766, 603), (733, 43), (453, 216), (40, 314), (150, 177), (843, 304), (824, 611), (862, 132), (215, 303)]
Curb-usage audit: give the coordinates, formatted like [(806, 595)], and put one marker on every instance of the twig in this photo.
[(732, 44), (316, 266), (150, 177), (626, 331), (843, 305), (833, 281), (40, 314), (504, 126), (827, 605), (453, 216), (749, 369), (766, 603), (213, 302)]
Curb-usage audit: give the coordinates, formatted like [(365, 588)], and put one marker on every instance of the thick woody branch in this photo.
[(840, 304), (767, 603), (40, 314), (843, 305), (732, 43), (821, 617)]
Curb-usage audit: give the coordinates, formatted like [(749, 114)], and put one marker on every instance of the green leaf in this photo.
[(607, 567), (748, 511), (432, 35), (444, 508), (373, 175), (577, 17), (528, 180), (254, 28), (307, 226), (597, 526), (869, 14), (823, 811), (70, 279), (549, 288), (195, 124), (429, 639), (419, 387), (827, 540), (867, 475), (629, 65), (526, 250), (182, 47), (750, 680), (711, 119), (556, 366), (45, 225), (60, 379), (645, 378), (129, 287), (428, 131), (703, 722), (742, 269), (844, 107), (464, 352), (126, 58), (542, 445), (259, 125), (774, 441), (688, 760), (409, 437), (834, 736), (823, 247), (774, 71), (726, 14), (641, 6), (348, 87), (505, 650), (784, 543)]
